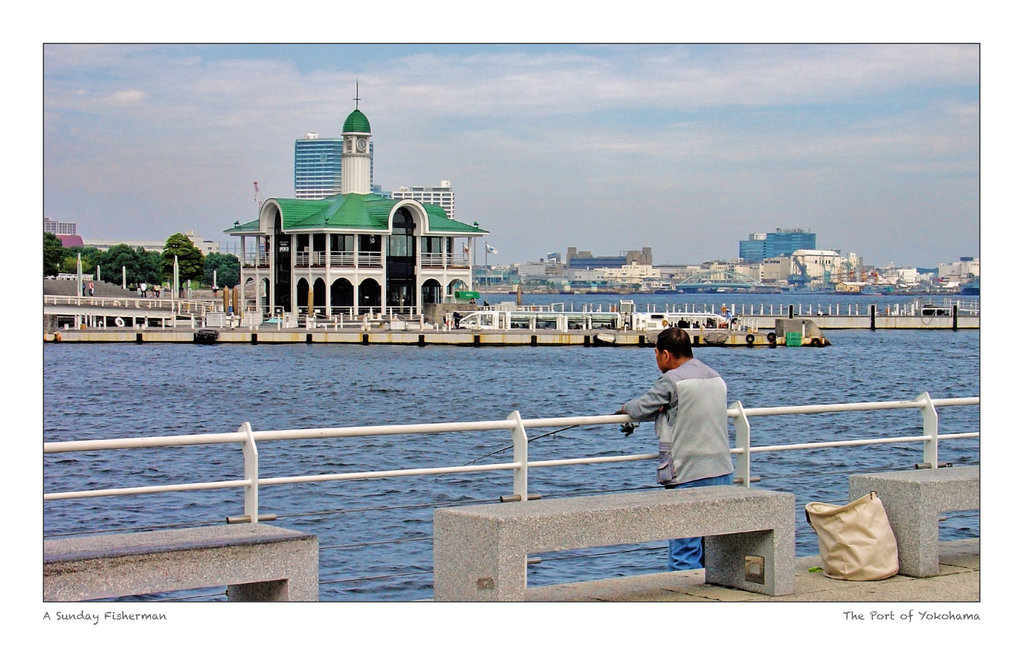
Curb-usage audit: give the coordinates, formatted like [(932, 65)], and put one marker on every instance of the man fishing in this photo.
[(688, 406)]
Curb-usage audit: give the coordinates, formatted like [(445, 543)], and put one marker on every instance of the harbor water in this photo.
[(375, 535)]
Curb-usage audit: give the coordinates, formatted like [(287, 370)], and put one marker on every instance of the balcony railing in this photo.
[(256, 259), (339, 259), (440, 260), (348, 259)]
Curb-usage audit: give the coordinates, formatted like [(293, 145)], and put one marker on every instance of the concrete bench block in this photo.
[(257, 562), (913, 501), (480, 551)]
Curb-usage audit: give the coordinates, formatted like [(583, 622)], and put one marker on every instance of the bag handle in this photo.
[(807, 514)]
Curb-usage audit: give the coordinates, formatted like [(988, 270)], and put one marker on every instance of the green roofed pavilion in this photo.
[(355, 253)]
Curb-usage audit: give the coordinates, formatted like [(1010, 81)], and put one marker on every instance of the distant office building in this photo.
[(576, 259), (202, 244), (59, 228), (317, 167), (964, 269), (66, 232), (783, 242), (775, 271), (442, 195)]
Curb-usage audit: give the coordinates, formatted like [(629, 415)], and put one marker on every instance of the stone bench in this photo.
[(480, 551), (913, 501), (257, 562)]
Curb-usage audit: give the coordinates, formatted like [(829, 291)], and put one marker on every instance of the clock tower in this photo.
[(355, 152)]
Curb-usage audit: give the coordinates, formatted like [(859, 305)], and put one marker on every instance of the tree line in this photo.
[(141, 266)]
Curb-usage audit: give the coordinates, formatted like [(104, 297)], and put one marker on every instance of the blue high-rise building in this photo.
[(783, 242), (317, 167)]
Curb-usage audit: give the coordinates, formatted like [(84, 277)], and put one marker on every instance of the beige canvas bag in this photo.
[(855, 540)]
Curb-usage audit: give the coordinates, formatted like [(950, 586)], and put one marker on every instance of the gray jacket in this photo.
[(693, 438)]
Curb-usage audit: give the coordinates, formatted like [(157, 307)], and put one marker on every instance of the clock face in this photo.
[(361, 144)]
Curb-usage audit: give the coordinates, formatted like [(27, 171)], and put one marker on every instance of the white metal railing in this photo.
[(516, 425), (150, 303), (306, 258), (432, 259), (436, 260), (912, 309), (256, 259)]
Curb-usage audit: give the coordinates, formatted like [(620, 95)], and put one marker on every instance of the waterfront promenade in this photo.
[(959, 580)]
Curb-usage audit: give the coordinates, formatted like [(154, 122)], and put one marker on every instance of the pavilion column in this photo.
[(327, 273), (293, 283)]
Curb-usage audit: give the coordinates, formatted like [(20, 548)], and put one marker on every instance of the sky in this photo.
[(687, 149)]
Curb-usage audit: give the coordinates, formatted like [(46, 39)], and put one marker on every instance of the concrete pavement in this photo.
[(959, 579)]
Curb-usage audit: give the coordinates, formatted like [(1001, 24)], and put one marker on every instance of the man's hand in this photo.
[(627, 428)]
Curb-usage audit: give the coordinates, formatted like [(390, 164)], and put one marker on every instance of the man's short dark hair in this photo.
[(676, 341)]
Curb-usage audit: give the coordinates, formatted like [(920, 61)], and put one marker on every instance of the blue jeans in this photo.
[(688, 553)]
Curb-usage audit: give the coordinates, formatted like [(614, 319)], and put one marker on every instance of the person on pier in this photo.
[(688, 406)]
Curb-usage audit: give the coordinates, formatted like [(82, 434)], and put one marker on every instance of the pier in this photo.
[(413, 337), (131, 320), (957, 577), (114, 315)]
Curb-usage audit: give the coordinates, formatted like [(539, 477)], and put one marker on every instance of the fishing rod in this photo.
[(535, 437), (627, 430)]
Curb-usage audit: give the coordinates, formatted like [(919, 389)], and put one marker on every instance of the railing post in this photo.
[(931, 431), (519, 443), (742, 425), (251, 456)]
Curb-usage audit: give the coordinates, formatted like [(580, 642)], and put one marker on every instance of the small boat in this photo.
[(687, 320), (935, 310), (206, 336)]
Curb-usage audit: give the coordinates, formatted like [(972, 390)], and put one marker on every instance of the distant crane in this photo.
[(800, 279), (258, 197)]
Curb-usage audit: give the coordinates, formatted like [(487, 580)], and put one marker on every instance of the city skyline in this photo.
[(875, 148)]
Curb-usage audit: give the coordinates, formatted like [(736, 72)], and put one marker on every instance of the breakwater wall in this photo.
[(353, 336), (430, 336)]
